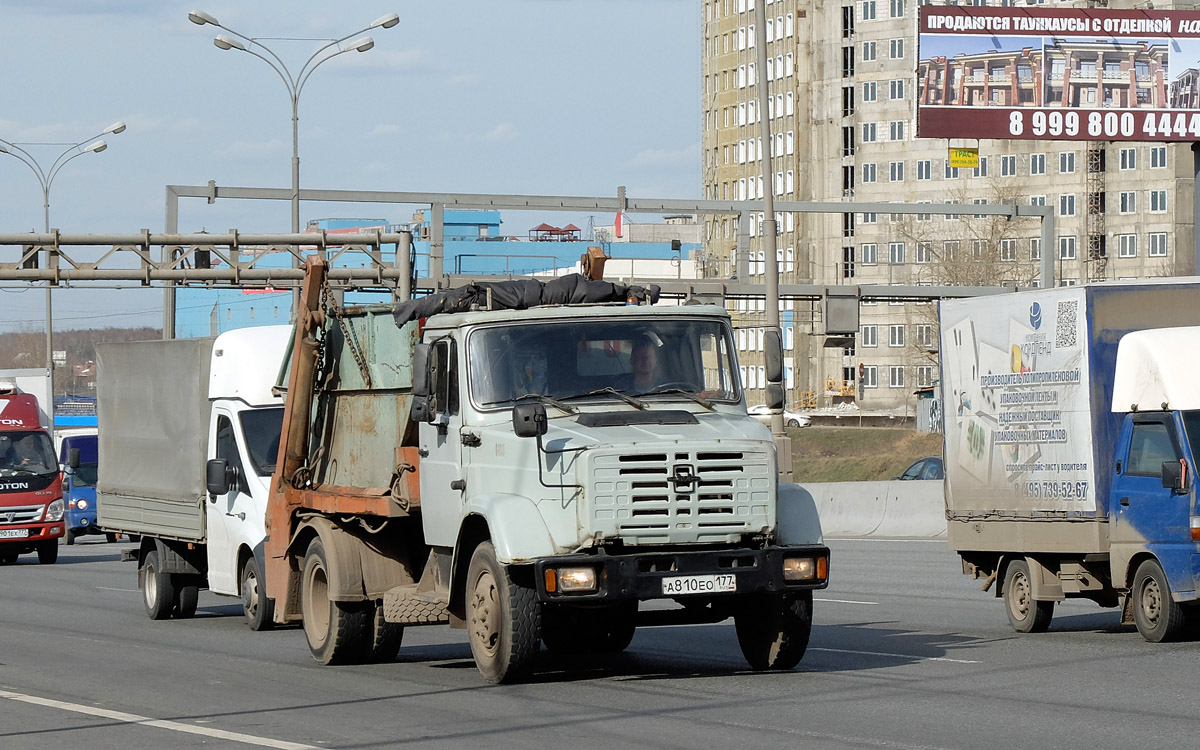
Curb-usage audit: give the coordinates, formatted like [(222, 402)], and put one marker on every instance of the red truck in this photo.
[(31, 501)]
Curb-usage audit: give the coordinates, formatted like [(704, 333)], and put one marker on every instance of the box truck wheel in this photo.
[(773, 629), (1024, 613), (504, 618), (386, 637), (258, 610), (48, 552), (187, 596), (1157, 616), (337, 632), (158, 590)]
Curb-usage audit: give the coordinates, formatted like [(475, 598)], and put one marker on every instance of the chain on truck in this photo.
[(537, 471)]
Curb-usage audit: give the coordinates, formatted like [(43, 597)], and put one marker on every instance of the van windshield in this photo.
[(261, 428), (587, 360), (26, 453)]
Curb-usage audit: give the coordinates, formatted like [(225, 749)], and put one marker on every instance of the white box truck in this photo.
[(1069, 417)]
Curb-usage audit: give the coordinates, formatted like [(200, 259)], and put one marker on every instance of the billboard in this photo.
[(1058, 74)]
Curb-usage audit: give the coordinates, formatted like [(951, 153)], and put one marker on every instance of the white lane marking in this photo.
[(174, 726), (842, 601), (894, 656), (107, 588)]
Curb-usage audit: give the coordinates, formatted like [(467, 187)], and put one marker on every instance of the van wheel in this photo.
[(337, 632), (69, 537), (386, 638), (773, 629), (1157, 616), (158, 590), (504, 618), (187, 596), (1024, 614), (258, 610), (48, 552)]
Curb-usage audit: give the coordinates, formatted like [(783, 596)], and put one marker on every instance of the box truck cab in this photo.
[(78, 455), (31, 504)]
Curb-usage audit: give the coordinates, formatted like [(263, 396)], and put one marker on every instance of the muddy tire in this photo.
[(504, 619), (187, 597), (158, 589), (1024, 614), (257, 608), (773, 629), (386, 638), (1157, 616), (337, 632), (48, 552)]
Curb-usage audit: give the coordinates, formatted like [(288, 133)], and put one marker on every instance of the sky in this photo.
[(540, 97)]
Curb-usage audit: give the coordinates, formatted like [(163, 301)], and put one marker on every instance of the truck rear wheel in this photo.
[(773, 629), (1024, 613), (386, 638), (1157, 616), (258, 610), (337, 632), (158, 590), (48, 552), (504, 619)]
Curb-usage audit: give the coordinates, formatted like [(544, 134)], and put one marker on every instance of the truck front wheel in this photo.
[(1157, 616), (158, 590), (773, 629), (257, 608), (504, 618), (336, 631), (48, 552), (1024, 613)]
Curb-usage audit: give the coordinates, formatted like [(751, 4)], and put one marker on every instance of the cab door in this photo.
[(223, 516), (1144, 515), (443, 476)]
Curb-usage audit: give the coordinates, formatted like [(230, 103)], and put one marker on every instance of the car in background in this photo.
[(924, 468), (790, 418)]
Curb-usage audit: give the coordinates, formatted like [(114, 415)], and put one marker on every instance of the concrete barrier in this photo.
[(895, 509)]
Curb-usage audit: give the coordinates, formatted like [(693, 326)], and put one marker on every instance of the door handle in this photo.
[(1125, 501)]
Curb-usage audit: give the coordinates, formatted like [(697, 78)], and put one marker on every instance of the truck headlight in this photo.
[(81, 504), (54, 511), (805, 568), (581, 580)]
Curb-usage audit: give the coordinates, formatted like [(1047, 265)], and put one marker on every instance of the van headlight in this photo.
[(54, 511)]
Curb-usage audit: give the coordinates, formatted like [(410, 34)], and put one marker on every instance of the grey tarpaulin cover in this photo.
[(520, 294)]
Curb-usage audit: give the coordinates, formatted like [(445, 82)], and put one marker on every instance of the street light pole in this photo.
[(295, 84), (46, 179)]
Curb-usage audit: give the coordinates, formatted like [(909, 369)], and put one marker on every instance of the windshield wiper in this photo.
[(547, 400), (609, 391), (683, 392)]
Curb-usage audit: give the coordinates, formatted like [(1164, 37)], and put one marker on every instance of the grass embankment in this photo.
[(858, 454)]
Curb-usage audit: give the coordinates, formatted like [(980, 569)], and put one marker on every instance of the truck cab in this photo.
[(31, 504), (79, 457)]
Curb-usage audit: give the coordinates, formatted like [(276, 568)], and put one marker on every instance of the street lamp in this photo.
[(46, 179), (294, 82)]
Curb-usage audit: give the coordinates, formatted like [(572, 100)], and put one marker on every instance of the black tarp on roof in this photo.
[(521, 294)]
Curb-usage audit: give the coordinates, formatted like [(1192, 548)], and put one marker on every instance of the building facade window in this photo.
[(1066, 248), (1128, 201), (870, 336), (896, 253), (896, 335), (1158, 245), (1158, 201), (1066, 162), (1037, 164), (869, 255), (1127, 245), (1128, 158), (895, 376)]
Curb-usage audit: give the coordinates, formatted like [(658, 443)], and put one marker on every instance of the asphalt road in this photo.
[(906, 653)]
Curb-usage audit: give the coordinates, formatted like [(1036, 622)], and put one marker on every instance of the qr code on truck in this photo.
[(1068, 323)]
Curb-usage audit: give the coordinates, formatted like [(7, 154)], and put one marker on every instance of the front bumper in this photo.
[(38, 532), (640, 575)]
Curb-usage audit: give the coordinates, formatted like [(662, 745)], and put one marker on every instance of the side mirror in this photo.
[(1174, 476), (422, 377), (73, 458), (773, 356), (420, 410), (529, 420), (775, 395), (217, 479)]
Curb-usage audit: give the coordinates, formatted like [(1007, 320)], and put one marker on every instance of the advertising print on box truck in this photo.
[(31, 504), (1072, 421), (189, 431)]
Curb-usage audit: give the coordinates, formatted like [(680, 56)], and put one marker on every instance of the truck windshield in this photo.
[(24, 453), (588, 360), (261, 429)]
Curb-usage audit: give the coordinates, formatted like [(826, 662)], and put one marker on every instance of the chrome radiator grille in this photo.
[(21, 514), (680, 496)]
